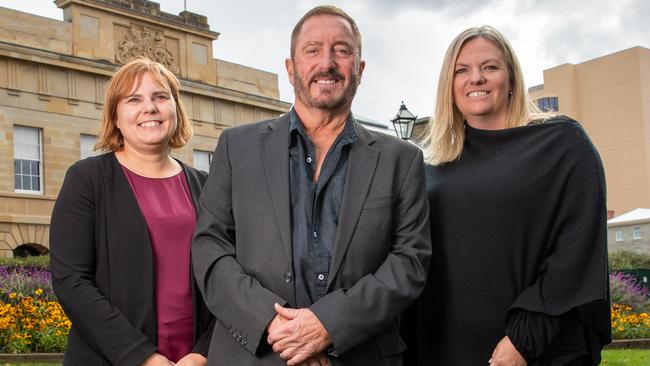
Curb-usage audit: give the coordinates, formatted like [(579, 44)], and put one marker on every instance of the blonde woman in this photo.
[(121, 232), (519, 274)]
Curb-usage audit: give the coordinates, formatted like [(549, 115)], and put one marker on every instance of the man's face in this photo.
[(325, 70)]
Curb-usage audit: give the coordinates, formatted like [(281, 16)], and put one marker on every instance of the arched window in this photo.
[(30, 249)]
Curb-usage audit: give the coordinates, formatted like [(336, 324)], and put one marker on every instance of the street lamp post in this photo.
[(403, 122)]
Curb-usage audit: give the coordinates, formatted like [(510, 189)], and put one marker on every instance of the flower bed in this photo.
[(630, 307), (629, 324), (31, 320)]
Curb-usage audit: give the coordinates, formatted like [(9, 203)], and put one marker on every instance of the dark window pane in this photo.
[(27, 175), (549, 104)]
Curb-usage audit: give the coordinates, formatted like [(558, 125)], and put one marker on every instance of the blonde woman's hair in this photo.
[(125, 79), (446, 131)]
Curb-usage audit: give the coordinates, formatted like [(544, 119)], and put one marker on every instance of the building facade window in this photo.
[(28, 167), (549, 104), (202, 160), (619, 235), (86, 146), (636, 233)]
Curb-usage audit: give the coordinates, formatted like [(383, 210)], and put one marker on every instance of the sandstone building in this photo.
[(52, 80), (610, 96)]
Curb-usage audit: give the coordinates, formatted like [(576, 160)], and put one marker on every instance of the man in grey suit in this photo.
[(313, 232)]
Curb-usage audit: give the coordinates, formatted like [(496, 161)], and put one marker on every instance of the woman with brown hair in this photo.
[(518, 221), (121, 231)]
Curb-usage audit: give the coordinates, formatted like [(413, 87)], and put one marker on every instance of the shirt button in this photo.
[(309, 160), (315, 234), (288, 277), (321, 276)]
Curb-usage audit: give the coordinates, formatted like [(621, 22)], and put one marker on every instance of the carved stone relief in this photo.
[(145, 42)]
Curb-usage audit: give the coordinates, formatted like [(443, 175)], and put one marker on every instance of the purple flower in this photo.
[(626, 290), (24, 281)]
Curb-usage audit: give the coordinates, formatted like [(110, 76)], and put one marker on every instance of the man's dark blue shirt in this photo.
[(315, 207)]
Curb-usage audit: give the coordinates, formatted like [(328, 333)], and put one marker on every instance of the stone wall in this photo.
[(641, 245), (34, 31)]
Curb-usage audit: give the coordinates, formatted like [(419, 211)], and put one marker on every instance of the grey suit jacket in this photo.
[(242, 254)]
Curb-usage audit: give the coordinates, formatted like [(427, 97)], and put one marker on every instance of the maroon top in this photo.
[(167, 207)]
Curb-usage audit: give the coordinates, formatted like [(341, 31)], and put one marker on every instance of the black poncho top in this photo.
[(518, 228)]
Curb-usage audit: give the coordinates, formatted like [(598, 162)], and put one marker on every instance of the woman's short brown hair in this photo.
[(121, 84)]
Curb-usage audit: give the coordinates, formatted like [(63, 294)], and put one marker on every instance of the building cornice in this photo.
[(104, 68), (628, 223), (25, 219), (149, 11)]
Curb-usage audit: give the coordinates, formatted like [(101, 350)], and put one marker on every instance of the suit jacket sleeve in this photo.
[(237, 299), (72, 242), (355, 314)]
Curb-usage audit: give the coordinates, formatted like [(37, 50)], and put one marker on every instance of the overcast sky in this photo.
[(404, 41)]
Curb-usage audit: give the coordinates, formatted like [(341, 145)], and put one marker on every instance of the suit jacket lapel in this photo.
[(275, 159), (362, 162)]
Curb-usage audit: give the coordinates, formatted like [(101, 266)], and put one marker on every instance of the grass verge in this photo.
[(626, 357)]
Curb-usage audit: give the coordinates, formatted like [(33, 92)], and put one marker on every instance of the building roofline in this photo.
[(186, 21), (634, 217), (367, 121)]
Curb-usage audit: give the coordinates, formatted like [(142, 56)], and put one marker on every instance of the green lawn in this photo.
[(626, 357)]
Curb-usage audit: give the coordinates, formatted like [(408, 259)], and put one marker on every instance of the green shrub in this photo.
[(625, 259), (41, 261)]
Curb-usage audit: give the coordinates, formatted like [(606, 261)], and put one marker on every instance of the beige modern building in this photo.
[(610, 96), (52, 80)]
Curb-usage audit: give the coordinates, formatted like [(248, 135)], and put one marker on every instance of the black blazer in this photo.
[(102, 267)]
